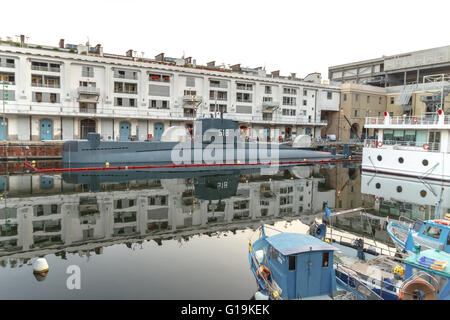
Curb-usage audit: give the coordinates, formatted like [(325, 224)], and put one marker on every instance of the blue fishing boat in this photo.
[(299, 266), (430, 234)]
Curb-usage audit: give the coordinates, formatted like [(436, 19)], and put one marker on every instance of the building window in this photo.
[(356, 113), (392, 100), (368, 99), (268, 90), (379, 100), (244, 86), (305, 92), (345, 97), (329, 95), (288, 112), (243, 97), (289, 101), (305, 102), (289, 91), (356, 97)]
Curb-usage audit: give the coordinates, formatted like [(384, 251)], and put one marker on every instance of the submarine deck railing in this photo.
[(55, 170)]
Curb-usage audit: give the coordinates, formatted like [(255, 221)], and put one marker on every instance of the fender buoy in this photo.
[(379, 144), (444, 222), (426, 146), (415, 119)]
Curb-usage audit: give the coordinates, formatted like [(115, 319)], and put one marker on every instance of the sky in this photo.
[(291, 36)]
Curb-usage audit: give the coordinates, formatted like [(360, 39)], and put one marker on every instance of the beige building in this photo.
[(357, 102)]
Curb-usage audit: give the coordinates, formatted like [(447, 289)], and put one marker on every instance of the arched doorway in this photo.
[(159, 128), (354, 131), (125, 131), (86, 126)]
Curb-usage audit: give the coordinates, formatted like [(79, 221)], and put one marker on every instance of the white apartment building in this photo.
[(61, 93)]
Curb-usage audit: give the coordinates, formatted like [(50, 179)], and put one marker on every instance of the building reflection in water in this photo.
[(82, 213)]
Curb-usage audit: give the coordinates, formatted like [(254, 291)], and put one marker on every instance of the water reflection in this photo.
[(86, 212)]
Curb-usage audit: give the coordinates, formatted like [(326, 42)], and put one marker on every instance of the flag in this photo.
[(409, 243), (327, 212)]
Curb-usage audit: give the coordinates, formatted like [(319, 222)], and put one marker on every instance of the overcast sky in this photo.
[(291, 36)]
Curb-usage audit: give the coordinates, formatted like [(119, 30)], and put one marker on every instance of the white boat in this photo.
[(409, 146)]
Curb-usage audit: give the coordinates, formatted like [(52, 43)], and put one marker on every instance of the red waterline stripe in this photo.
[(182, 165)]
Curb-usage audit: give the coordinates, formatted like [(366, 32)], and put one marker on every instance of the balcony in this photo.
[(192, 98), (218, 85), (88, 108), (270, 105), (45, 68), (88, 90), (126, 91), (45, 85), (7, 65), (124, 76), (159, 78)]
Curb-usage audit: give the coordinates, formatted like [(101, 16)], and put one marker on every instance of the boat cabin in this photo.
[(300, 266), (434, 233)]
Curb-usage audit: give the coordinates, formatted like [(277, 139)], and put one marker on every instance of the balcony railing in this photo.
[(218, 85), (192, 98), (88, 109), (408, 120), (7, 65), (244, 88), (159, 79), (400, 144), (270, 104), (88, 90), (45, 85), (124, 76), (126, 91), (45, 68)]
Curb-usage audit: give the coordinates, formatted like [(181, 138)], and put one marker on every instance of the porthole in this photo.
[(425, 162), (378, 185), (379, 158), (423, 193), (400, 160), (399, 189)]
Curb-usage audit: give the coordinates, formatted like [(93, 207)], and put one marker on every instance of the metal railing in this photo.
[(373, 247), (88, 74), (124, 76), (161, 79), (45, 68), (424, 146), (126, 91), (7, 65), (46, 85), (408, 120), (88, 90), (192, 98), (244, 88), (214, 85)]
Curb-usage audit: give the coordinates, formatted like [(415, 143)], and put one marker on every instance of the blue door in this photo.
[(46, 129), (159, 128), (125, 132), (3, 184), (308, 131), (3, 129)]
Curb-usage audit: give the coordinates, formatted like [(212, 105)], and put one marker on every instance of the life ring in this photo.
[(422, 208), (415, 119), (379, 144), (426, 146)]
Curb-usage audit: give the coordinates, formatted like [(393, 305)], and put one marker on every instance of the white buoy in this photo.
[(260, 296), (40, 265)]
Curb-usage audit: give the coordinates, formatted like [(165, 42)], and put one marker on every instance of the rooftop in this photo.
[(132, 55), (294, 243)]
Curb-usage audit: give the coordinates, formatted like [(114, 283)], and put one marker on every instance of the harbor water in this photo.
[(140, 235)]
